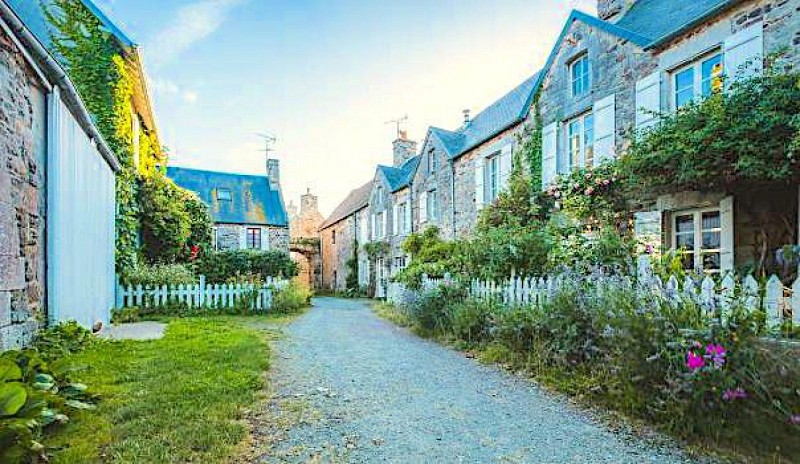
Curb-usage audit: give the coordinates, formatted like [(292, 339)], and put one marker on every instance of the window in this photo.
[(333, 237), (254, 238), (697, 80), (401, 218), (492, 178), (581, 81), (379, 222), (580, 144), (380, 194), (432, 206), (698, 236), (223, 194), (432, 162)]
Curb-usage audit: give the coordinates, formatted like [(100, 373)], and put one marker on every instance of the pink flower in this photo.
[(795, 419), (694, 361), (589, 191), (737, 394), (716, 353), (606, 182)]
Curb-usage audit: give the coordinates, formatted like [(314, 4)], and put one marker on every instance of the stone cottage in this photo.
[(342, 236), (247, 210), (56, 255), (461, 171), (609, 75), (304, 239)]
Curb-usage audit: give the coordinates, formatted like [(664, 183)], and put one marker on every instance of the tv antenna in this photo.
[(398, 122), (269, 143)]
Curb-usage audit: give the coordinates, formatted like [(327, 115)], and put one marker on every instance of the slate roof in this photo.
[(252, 199), (400, 177), (355, 201), (31, 12), (660, 19), (510, 109)]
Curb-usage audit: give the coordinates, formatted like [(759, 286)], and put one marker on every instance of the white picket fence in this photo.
[(714, 294), (199, 295)]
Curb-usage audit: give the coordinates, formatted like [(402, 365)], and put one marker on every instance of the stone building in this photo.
[(56, 255), (247, 210), (610, 75), (341, 236), (304, 239), (461, 171)]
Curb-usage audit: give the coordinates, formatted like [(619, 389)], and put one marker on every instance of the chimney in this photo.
[(308, 203), (466, 117), (404, 149), (274, 173), (613, 10)]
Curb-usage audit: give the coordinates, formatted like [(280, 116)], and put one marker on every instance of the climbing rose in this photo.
[(694, 361), (737, 394), (589, 191)]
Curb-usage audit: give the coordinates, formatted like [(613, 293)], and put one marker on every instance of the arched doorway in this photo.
[(307, 257)]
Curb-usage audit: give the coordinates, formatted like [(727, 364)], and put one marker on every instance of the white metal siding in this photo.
[(80, 223)]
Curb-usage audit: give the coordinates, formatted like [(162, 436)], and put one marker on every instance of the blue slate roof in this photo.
[(400, 177), (252, 199), (31, 12), (512, 108), (660, 19)]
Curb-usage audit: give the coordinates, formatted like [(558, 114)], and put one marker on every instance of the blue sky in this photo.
[(325, 75)]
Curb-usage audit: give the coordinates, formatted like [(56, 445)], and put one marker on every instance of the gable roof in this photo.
[(510, 109), (400, 177), (253, 201), (355, 201)]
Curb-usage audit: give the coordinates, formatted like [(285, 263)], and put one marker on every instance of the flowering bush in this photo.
[(592, 194)]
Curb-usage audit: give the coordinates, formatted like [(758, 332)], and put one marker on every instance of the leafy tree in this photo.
[(166, 223)]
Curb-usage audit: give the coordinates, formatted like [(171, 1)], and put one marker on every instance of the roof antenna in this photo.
[(269, 141), (398, 123)]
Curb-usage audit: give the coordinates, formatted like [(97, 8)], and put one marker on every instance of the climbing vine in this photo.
[(352, 269)]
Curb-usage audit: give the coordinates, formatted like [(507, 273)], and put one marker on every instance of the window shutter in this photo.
[(744, 53), (395, 222), (423, 207), (727, 237), (549, 150), (243, 238), (506, 165), (605, 129), (373, 234), (408, 217), (648, 100), (385, 231), (480, 182)]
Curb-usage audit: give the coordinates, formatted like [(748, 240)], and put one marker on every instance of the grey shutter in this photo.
[(727, 236), (605, 129), (506, 165), (549, 150), (744, 53), (395, 222), (407, 212), (480, 185), (648, 100), (423, 207)]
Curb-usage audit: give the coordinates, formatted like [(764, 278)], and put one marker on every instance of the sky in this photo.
[(325, 76)]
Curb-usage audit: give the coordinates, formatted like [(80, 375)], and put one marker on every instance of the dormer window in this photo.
[(380, 194), (432, 166), (581, 79), (223, 194)]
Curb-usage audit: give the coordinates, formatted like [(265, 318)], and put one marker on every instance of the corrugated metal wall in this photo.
[(80, 223)]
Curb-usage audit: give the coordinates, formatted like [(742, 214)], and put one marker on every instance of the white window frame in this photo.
[(696, 65), (491, 184), (432, 162), (581, 158), (401, 218), (379, 194), (433, 205), (227, 191), (585, 78), (379, 222), (698, 251), (260, 238)]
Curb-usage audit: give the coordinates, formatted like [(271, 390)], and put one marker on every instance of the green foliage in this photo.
[(165, 222), (225, 266), (727, 140), (499, 252), (37, 392), (431, 312), (430, 255), (376, 250), (291, 299), (351, 282), (158, 275), (592, 195), (576, 249)]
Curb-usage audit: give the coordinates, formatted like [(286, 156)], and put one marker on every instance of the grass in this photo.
[(179, 399)]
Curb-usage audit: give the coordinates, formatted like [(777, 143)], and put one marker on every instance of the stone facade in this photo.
[(303, 230), (434, 174), (22, 202), (611, 10), (337, 242), (234, 237)]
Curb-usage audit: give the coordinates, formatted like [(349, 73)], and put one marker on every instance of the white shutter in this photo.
[(395, 223), (373, 234), (506, 165), (727, 237), (744, 53), (385, 230), (423, 207), (549, 150), (407, 212), (480, 184), (243, 238), (648, 100), (605, 129)]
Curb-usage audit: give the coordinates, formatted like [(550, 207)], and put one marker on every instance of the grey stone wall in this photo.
[(229, 237), (336, 252), (22, 239), (440, 179)]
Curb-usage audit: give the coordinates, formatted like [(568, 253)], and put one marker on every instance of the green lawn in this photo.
[(178, 399)]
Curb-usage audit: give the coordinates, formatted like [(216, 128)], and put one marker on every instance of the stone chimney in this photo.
[(274, 174), (613, 10), (404, 149), (308, 204)]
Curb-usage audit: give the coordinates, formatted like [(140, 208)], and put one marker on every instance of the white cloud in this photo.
[(190, 96), (193, 23)]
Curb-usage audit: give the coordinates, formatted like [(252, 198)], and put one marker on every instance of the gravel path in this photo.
[(350, 387)]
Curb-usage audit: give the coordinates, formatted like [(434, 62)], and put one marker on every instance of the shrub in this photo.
[(158, 275), (432, 310), (226, 266), (291, 298), (473, 320)]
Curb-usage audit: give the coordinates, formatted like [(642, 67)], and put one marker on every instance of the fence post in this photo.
[(796, 302), (118, 290), (772, 301), (201, 299)]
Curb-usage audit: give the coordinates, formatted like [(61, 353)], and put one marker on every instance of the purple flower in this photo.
[(795, 419), (694, 361), (736, 394), (716, 353)]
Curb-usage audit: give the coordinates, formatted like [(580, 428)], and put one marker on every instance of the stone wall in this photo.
[(232, 237), (441, 180), (22, 239), (336, 242)]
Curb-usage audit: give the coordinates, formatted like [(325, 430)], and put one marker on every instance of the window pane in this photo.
[(684, 87), (588, 138), (711, 240), (687, 259), (711, 261), (684, 223), (711, 75), (711, 220), (685, 241)]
